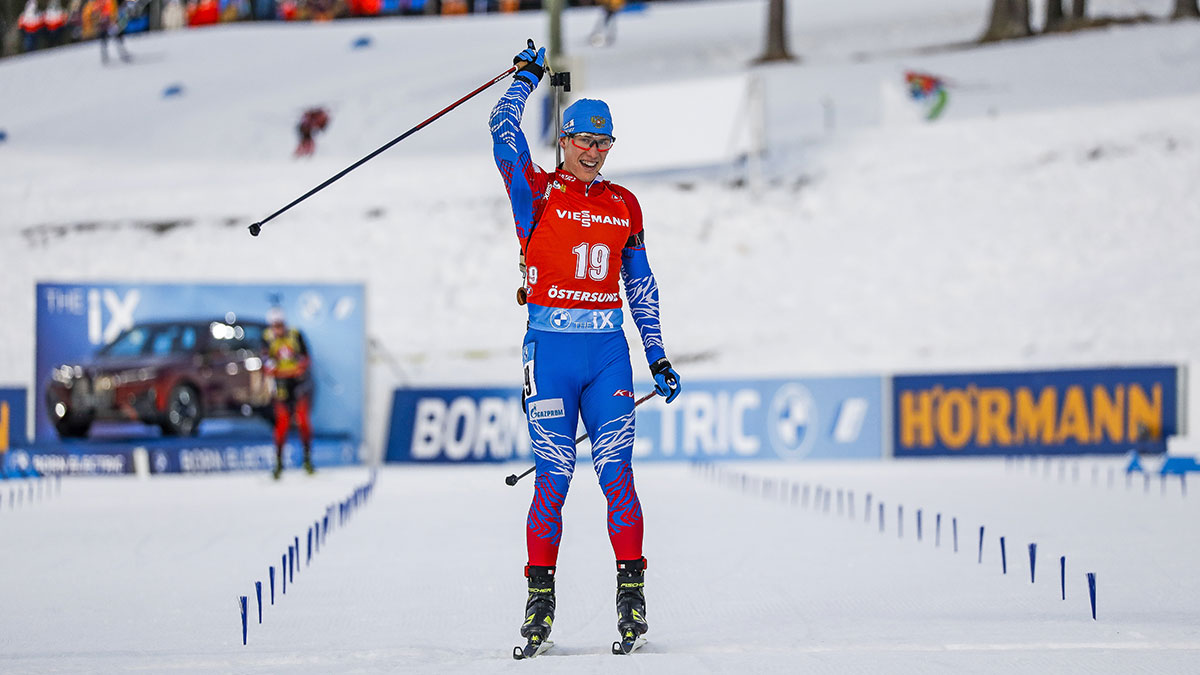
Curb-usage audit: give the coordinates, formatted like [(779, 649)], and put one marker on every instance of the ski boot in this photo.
[(308, 465), (539, 612), (631, 605)]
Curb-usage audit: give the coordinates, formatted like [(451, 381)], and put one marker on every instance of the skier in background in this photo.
[(313, 120), (287, 361), (578, 233), (605, 32)]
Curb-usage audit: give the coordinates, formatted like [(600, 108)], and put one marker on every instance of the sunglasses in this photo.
[(585, 141)]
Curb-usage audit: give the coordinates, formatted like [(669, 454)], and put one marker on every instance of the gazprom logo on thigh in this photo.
[(546, 409), (792, 421)]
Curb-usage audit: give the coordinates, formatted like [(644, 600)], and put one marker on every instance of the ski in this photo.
[(628, 645), (532, 648)]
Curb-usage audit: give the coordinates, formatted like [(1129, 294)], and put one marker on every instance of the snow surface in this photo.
[(1047, 220), (125, 575)]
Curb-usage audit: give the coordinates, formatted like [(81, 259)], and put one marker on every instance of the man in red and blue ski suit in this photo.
[(579, 235)]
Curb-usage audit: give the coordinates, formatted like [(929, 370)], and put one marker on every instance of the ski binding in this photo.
[(628, 644), (535, 647)]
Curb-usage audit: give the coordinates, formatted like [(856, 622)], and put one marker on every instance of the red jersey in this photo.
[(573, 253)]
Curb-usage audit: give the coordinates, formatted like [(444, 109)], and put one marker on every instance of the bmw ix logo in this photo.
[(560, 319)]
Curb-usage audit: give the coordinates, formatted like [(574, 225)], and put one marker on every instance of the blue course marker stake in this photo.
[(1091, 577), (804, 497), (828, 496), (954, 526), (1003, 559), (900, 521), (850, 504), (258, 592), (291, 571), (296, 543), (1032, 561), (980, 544), (242, 605), (316, 536), (937, 531), (283, 573), (1062, 575), (271, 574), (918, 524), (867, 509), (308, 549), (881, 517)]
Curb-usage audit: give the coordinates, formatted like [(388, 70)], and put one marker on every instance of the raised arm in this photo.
[(509, 146)]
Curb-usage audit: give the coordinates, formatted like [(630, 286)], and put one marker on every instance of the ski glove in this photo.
[(535, 64), (666, 380)]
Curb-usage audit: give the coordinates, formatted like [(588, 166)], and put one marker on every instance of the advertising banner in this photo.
[(791, 419), (99, 461), (1086, 411), (12, 418), (161, 456), (133, 361)]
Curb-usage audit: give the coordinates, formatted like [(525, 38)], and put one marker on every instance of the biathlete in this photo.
[(287, 361), (579, 233)]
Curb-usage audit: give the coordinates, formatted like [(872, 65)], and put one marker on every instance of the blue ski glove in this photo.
[(666, 380), (535, 64)]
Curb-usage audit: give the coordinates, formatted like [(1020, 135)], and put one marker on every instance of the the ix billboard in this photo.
[(146, 355)]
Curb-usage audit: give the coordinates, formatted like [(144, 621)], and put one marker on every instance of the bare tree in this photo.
[(1186, 9), (776, 33), (1054, 16), (1010, 19)]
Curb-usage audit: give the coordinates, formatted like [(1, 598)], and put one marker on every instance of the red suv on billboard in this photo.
[(169, 373)]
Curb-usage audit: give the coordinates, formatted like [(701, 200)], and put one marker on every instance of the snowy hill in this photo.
[(1047, 219)]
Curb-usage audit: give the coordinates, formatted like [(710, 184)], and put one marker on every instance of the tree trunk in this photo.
[(1054, 16), (1010, 19), (776, 33), (1186, 9), (1078, 9)]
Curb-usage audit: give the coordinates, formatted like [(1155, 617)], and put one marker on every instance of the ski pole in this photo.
[(255, 228), (513, 478)]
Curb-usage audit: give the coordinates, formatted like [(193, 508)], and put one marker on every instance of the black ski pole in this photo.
[(255, 228), (513, 478)]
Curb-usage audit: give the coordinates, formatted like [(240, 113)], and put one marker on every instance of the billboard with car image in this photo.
[(133, 360)]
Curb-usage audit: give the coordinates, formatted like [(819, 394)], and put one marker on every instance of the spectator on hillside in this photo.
[(605, 32), (31, 26), (74, 29), (56, 20), (173, 15), (111, 24)]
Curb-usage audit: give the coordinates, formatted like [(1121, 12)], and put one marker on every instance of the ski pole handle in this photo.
[(513, 478)]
